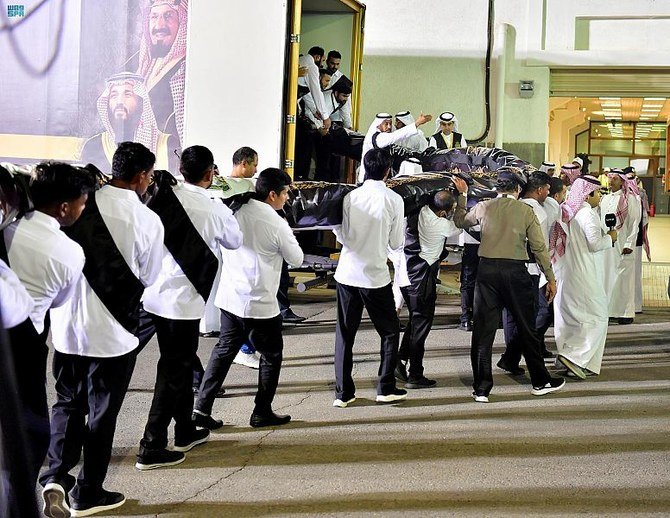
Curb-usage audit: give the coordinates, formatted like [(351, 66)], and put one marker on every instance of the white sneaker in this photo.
[(343, 404), (480, 399), (248, 360)]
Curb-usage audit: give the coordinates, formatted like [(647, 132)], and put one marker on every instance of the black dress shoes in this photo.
[(290, 317), (625, 321), (206, 421), (514, 371), (465, 326), (271, 419)]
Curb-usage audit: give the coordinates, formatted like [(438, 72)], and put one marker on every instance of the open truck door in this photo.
[(333, 25)]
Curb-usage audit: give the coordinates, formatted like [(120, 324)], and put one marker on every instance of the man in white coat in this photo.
[(620, 260), (579, 243)]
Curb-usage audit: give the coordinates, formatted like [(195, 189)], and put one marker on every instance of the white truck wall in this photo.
[(235, 78)]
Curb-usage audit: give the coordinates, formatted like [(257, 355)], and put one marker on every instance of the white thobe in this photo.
[(619, 268), (231, 186), (311, 80), (383, 140), (580, 306), (416, 142)]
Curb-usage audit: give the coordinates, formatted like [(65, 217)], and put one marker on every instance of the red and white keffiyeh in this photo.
[(631, 181), (581, 188), (147, 130), (572, 172), (622, 207)]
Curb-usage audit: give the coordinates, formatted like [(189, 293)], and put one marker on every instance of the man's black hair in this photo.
[(195, 162), (244, 154), (57, 182), (316, 51), (556, 185), (508, 181), (324, 71), (536, 180), (271, 180), (344, 85), (130, 159), (442, 200), (334, 54), (377, 163)]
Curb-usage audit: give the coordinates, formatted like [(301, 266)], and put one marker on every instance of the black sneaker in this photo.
[(56, 504), (185, 444), (108, 501), (401, 371), (206, 421), (625, 321), (154, 459), (271, 419), (210, 334), (553, 385), (514, 371), (395, 395), (420, 383)]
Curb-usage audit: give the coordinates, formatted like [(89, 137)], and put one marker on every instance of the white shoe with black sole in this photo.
[(396, 395), (339, 403), (55, 501)]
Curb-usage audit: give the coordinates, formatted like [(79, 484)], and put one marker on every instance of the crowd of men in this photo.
[(103, 270)]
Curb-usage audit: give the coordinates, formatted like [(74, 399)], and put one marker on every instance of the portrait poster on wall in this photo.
[(79, 77)]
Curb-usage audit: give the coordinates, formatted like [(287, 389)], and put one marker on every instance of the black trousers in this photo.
[(513, 345), (93, 387), (327, 164), (545, 316), (504, 283), (304, 147), (282, 292), (173, 395), (262, 333), (380, 306), (469, 264), (420, 298), (29, 354)]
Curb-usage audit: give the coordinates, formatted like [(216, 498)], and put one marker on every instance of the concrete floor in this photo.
[(599, 447)]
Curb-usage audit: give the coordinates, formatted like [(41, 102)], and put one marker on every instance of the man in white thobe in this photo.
[(579, 243), (416, 142), (379, 135), (620, 260)]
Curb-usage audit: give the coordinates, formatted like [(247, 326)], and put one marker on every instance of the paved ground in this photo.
[(599, 447)]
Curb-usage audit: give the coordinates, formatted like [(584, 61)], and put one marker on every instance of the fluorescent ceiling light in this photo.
[(652, 106), (654, 98)]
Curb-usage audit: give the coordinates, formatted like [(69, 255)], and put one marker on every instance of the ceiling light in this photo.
[(652, 106), (654, 98)]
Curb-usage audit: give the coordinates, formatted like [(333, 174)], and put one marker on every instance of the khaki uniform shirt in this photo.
[(507, 225)]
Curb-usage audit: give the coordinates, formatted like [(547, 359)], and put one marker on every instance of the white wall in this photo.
[(330, 32), (235, 78)]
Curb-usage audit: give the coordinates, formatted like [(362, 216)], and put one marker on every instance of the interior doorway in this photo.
[(615, 131), (332, 25)]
